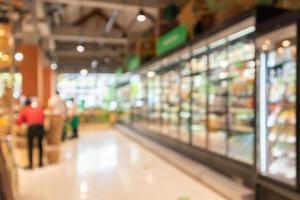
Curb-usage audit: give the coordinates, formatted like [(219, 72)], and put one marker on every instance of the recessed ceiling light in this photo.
[(80, 48), (286, 43), (19, 56), (151, 74), (94, 63), (84, 72), (53, 66), (107, 59)]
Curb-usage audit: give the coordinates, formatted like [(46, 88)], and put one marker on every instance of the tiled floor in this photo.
[(105, 165)]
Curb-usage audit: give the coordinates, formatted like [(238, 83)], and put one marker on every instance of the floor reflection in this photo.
[(97, 158), (106, 165)]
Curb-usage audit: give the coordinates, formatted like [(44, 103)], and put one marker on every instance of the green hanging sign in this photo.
[(265, 2), (118, 71), (133, 62), (171, 40)]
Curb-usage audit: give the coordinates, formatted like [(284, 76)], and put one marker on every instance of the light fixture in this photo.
[(94, 64), (5, 57), (107, 59), (53, 66), (280, 50), (267, 42), (264, 47), (84, 72), (80, 48), (141, 16), (151, 74), (286, 43), (19, 56), (2, 32)]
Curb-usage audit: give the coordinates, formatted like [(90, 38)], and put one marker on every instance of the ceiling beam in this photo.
[(88, 39), (86, 54), (85, 18), (104, 5), (111, 21)]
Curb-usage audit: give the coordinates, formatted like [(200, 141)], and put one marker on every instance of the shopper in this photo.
[(58, 110), (33, 116), (57, 105), (74, 118)]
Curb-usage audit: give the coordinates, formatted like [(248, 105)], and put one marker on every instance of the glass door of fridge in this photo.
[(174, 103), (241, 55), (199, 101), (165, 106), (217, 99), (185, 108), (277, 74)]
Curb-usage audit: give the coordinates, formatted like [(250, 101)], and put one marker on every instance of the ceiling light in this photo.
[(267, 42), (264, 47), (53, 66), (107, 59), (280, 50), (94, 64), (5, 57), (80, 48), (141, 16), (286, 43), (19, 56), (151, 74), (2, 32), (84, 72)]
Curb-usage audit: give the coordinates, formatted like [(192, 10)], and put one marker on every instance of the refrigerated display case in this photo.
[(199, 101), (219, 84), (241, 56), (277, 107), (185, 101), (137, 98), (154, 103), (165, 105), (124, 105), (174, 103), (218, 97)]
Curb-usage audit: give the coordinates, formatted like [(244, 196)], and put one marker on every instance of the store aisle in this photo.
[(108, 166)]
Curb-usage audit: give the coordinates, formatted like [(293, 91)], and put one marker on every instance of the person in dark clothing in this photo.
[(33, 116)]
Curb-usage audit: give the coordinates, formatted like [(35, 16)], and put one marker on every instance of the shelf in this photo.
[(219, 79), (198, 73), (241, 128), (240, 158), (239, 109), (243, 96), (282, 138), (281, 63), (232, 63), (223, 112)]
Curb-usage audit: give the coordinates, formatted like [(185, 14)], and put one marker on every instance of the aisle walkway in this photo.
[(105, 165)]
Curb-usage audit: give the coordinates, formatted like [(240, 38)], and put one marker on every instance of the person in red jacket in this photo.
[(33, 116)]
